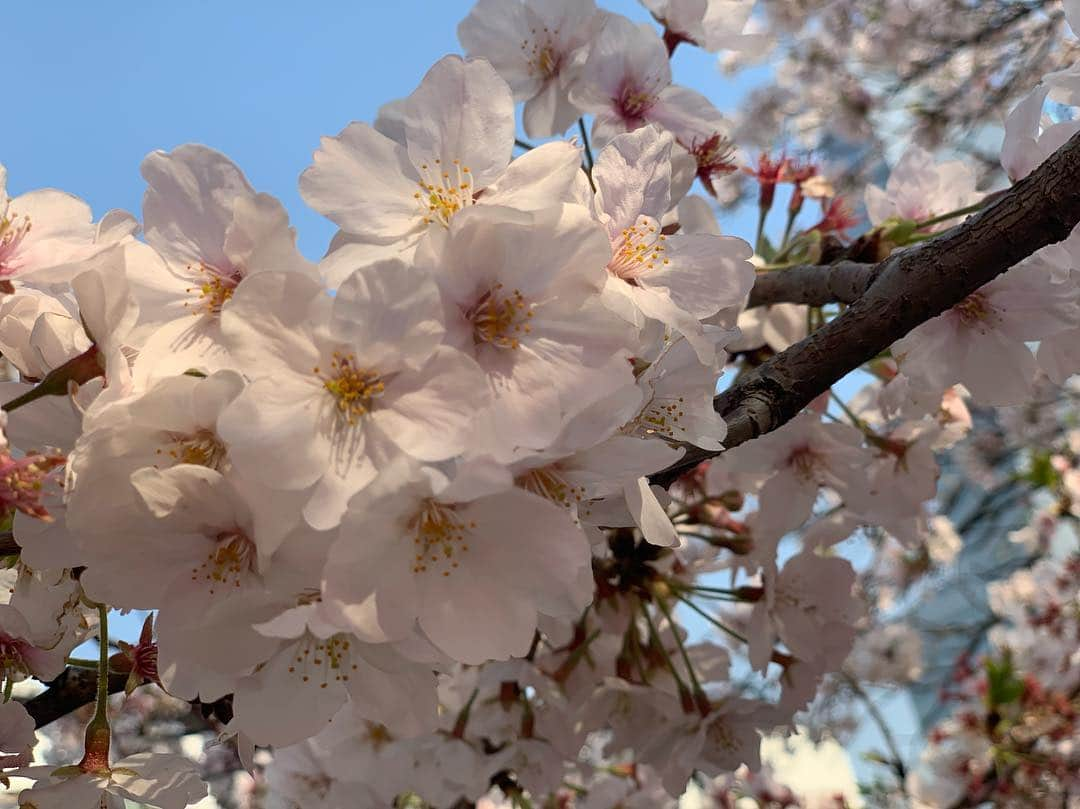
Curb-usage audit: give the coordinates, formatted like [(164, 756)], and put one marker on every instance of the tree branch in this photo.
[(908, 288), (813, 284), (74, 688)]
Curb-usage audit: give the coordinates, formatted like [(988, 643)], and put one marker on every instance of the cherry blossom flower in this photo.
[(920, 188), (626, 83), (27, 651), (162, 780), (709, 24), (522, 296), (892, 653), (17, 737), (809, 606), (194, 555), (211, 230), (43, 236), (298, 776), (340, 385), (1027, 141), (459, 135), (316, 670), (434, 552), (980, 342), (677, 279), (535, 47), (803, 455)]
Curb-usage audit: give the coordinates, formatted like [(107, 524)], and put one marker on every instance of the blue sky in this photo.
[(98, 87)]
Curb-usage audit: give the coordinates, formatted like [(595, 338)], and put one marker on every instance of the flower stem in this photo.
[(98, 735), (589, 162), (101, 707), (684, 693), (587, 167), (521, 144), (701, 701), (82, 663), (9, 684), (945, 217), (759, 240), (711, 619), (788, 228)]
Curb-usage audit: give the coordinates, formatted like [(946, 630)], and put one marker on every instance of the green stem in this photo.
[(663, 651), (101, 708), (858, 422), (463, 715), (759, 241), (787, 229), (589, 162), (711, 619), (82, 663), (945, 217), (521, 144), (694, 682), (9, 684)]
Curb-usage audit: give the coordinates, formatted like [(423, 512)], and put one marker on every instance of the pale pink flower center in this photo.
[(443, 192), (634, 101), (214, 288), (354, 389), (661, 416), (804, 462), (323, 661), (13, 655), (637, 250), (975, 309), (12, 233), (201, 448), (549, 483), (500, 318), (440, 536), (543, 58), (230, 562)]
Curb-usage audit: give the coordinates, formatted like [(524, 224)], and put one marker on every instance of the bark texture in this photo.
[(903, 291)]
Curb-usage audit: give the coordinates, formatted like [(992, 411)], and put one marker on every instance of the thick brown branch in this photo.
[(8, 545), (74, 688), (813, 284), (909, 288)]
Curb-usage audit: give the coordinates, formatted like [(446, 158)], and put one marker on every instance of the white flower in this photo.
[(980, 342), (17, 737), (918, 189), (43, 236), (341, 385), (887, 654), (804, 455), (535, 46), (626, 83), (211, 231), (709, 24), (421, 549), (163, 780), (809, 606), (1027, 141), (459, 135), (522, 296), (677, 280), (316, 670)]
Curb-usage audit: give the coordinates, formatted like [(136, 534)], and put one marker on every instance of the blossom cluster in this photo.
[(1011, 737), (394, 507)]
